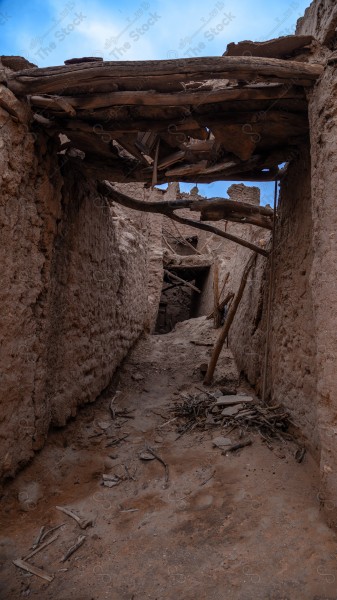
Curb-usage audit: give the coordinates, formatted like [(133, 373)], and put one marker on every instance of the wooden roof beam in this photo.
[(133, 75)]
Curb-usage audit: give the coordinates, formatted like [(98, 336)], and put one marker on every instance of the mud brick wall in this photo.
[(303, 350), (75, 291)]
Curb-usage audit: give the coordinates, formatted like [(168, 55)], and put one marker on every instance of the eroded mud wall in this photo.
[(292, 373), (321, 21), (75, 291), (303, 349)]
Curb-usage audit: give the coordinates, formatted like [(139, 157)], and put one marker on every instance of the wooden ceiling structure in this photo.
[(234, 117)]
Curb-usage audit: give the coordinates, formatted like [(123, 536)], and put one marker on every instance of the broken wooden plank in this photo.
[(53, 103), (31, 569)]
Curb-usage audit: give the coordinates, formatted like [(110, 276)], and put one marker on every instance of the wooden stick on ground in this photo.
[(39, 548), (38, 539), (73, 548), (82, 521), (231, 314), (31, 569), (166, 467), (180, 280)]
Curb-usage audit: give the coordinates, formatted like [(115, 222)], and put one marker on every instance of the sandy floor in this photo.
[(243, 526)]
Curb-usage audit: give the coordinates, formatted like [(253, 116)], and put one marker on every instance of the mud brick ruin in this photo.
[(114, 292)]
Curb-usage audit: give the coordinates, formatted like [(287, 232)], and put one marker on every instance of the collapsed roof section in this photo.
[(196, 119)]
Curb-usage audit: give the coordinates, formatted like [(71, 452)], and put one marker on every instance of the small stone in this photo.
[(109, 463), (146, 455), (137, 377), (221, 441), (104, 424), (230, 410)]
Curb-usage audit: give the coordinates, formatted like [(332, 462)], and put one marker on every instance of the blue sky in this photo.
[(47, 32)]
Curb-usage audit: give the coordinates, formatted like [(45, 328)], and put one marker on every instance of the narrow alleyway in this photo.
[(243, 525)]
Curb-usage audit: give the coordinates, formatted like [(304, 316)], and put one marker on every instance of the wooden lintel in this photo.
[(102, 75)]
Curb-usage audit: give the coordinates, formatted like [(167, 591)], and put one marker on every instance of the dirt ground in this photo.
[(242, 526)]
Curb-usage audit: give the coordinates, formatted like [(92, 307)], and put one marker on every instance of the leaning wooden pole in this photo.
[(229, 320), (216, 300)]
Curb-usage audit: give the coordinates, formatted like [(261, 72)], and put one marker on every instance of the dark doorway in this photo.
[(179, 301)]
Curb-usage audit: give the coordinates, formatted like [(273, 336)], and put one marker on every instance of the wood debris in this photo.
[(165, 465), (31, 569), (238, 446), (212, 101), (72, 549), (202, 410), (39, 548), (82, 521), (111, 480)]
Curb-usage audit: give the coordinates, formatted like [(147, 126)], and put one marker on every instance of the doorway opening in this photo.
[(181, 296)]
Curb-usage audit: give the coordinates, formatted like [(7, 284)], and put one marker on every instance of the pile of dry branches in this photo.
[(201, 410)]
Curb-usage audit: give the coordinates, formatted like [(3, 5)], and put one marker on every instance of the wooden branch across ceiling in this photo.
[(191, 119), (231, 211)]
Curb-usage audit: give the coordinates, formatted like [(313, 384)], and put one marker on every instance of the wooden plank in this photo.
[(151, 98), (171, 159), (192, 169)]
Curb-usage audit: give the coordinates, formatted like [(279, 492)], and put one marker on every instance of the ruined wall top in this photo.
[(243, 193), (238, 192), (320, 20)]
